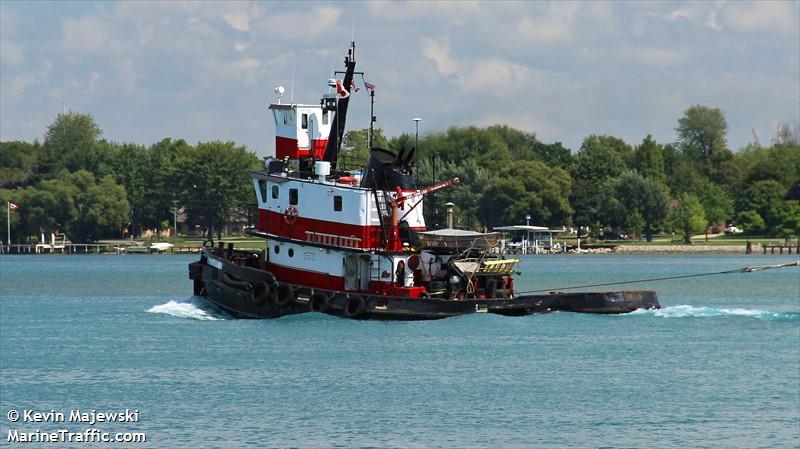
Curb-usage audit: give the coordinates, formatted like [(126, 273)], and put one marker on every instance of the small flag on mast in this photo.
[(341, 90), (370, 87), (12, 206)]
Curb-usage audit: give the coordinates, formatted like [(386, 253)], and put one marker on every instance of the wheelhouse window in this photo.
[(262, 189), (337, 203), (304, 122), (276, 192), (292, 197), (324, 117)]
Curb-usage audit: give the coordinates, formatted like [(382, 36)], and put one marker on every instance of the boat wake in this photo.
[(194, 308), (686, 311)]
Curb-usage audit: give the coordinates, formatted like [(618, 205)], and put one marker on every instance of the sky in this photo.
[(563, 70)]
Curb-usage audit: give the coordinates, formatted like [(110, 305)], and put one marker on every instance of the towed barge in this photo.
[(355, 244)]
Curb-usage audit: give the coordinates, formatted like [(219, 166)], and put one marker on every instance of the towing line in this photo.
[(737, 270)]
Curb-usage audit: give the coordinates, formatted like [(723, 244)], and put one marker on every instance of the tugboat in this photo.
[(355, 244)]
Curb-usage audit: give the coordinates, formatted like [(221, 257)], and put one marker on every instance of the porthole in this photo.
[(277, 249), (291, 252)]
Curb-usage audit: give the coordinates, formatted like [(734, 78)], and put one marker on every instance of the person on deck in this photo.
[(400, 274)]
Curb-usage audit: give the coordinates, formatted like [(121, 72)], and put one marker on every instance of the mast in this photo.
[(340, 111), (371, 117)]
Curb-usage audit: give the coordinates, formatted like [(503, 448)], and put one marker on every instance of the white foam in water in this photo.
[(686, 311), (194, 308)]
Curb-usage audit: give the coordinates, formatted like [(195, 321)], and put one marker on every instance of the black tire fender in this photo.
[(320, 302), (230, 281), (260, 293), (355, 306), (285, 296)]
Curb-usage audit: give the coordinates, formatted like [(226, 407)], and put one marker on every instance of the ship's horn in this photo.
[(399, 159), (409, 161)]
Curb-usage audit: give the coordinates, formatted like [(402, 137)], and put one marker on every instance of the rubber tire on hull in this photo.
[(230, 281), (355, 306), (320, 302), (260, 293), (285, 295)]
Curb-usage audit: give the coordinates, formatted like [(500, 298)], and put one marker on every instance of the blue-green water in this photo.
[(718, 367)]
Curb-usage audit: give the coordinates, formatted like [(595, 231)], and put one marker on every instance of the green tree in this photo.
[(71, 142), (641, 203), (717, 205), (780, 163), (702, 139), (132, 169), (751, 222), (600, 160), (355, 146), (467, 194), (215, 182), (787, 220), (18, 162), (164, 191), (553, 154), (77, 205), (104, 210), (688, 218), (766, 199), (528, 187), (648, 159)]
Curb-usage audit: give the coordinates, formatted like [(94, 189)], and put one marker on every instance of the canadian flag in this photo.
[(341, 90), (12, 205)]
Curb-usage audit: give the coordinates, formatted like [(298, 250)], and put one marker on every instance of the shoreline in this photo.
[(686, 249), (756, 248)]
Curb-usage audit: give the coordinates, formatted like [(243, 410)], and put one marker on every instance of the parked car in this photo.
[(733, 230), (614, 235)]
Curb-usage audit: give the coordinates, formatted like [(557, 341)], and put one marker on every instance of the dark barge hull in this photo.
[(239, 290)]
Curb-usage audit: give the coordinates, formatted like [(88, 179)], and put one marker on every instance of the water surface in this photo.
[(719, 366)]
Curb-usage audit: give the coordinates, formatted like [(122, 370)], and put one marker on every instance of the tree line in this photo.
[(81, 184), (77, 183), (689, 186)]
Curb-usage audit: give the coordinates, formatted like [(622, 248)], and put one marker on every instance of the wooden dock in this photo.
[(781, 247), (92, 248)]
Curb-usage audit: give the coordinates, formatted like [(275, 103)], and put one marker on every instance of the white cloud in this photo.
[(554, 26), (678, 14), (560, 69), (712, 22), (126, 75), (772, 17), (655, 56), (238, 20), (93, 77), (93, 34), (494, 74), (20, 83), (300, 26), (11, 52), (246, 70), (439, 54)]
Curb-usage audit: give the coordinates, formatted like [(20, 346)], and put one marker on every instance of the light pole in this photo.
[(175, 220), (416, 140), (527, 232)]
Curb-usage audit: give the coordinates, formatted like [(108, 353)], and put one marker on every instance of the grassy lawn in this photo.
[(666, 240)]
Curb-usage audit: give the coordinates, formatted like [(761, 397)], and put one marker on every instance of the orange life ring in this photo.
[(290, 214)]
